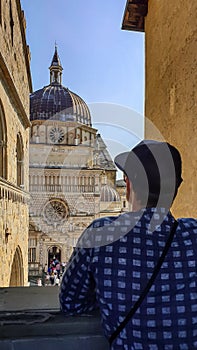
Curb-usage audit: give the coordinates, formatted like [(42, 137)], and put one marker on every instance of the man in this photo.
[(116, 256)]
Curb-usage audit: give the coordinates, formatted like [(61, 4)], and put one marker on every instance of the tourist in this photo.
[(39, 282), (52, 278), (58, 268), (140, 268)]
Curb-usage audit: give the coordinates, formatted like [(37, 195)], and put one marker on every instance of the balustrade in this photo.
[(62, 188), (9, 191)]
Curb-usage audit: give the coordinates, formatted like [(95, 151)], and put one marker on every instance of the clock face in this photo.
[(55, 211), (56, 135)]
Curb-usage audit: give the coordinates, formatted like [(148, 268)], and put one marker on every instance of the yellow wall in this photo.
[(171, 87)]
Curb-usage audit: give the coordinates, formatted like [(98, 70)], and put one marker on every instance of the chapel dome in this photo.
[(109, 194), (56, 102)]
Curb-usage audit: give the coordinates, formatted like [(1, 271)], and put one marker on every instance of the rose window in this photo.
[(55, 211)]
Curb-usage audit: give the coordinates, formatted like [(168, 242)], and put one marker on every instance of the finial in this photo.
[(55, 45)]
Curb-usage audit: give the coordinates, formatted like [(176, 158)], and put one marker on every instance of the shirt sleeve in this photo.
[(77, 290)]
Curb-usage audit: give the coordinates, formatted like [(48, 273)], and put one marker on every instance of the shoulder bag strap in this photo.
[(148, 286)]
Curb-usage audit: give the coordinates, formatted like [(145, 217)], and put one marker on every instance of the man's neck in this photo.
[(135, 204)]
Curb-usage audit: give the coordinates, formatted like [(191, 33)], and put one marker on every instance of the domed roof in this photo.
[(56, 102), (109, 194)]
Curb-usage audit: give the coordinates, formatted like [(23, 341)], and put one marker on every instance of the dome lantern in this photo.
[(56, 69), (56, 102)]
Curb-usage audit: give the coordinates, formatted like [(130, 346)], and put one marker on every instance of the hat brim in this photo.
[(120, 160)]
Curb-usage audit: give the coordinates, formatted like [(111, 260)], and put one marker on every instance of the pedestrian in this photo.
[(63, 266), (56, 280), (44, 273), (58, 268), (140, 268), (45, 268), (39, 282), (52, 278), (47, 279)]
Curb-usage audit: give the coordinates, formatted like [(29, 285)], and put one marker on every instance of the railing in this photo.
[(63, 188), (30, 319), (9, 191)]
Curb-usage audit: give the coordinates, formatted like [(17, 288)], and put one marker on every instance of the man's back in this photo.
[(119, 271)]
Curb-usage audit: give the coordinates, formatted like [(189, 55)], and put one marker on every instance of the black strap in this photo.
[(148, 286)]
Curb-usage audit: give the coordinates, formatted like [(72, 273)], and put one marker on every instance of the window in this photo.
[(20, 161), (3, 144), (55, 211), (11, 25), (32, 250), (32, 242), (32, 254)]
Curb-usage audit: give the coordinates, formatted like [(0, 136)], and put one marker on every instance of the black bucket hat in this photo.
[(152, 165)]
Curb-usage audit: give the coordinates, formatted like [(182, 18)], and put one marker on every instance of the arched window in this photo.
[(3, 144), (20, 161), (11, 24)]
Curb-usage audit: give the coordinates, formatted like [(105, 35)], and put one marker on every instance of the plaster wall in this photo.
[(171, 93)]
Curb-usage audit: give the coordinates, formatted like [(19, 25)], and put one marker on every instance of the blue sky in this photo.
[(102, 63)]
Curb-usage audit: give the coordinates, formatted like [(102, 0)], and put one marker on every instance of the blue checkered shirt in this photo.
[(114, 267)]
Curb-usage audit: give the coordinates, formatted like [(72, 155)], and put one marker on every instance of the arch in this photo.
[(17, 273), (20, 160), (54, 252), (3, 143)]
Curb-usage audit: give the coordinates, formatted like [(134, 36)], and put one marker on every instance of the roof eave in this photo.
[(134, 15)]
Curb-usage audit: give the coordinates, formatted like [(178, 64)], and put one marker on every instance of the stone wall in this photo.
[(14, 50), (15, 86), (171, 92), (30, 319)]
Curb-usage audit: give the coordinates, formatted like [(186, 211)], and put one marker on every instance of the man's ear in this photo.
[(129, 189)]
